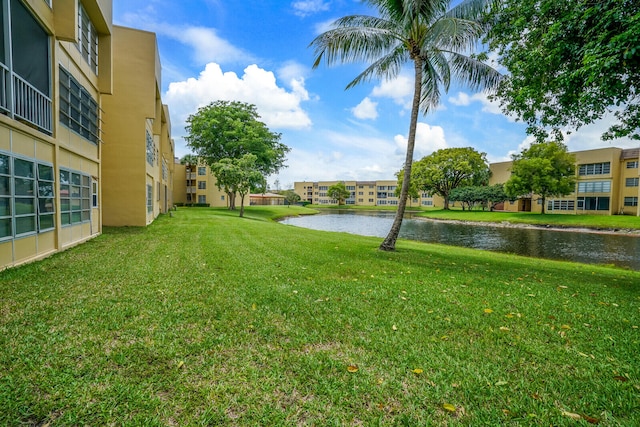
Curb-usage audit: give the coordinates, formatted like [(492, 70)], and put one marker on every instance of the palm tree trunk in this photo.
[(389, 243)]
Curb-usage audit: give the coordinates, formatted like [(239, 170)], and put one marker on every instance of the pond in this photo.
[(590, 248)]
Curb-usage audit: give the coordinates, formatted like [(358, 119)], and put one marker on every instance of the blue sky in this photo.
[(257, 51)]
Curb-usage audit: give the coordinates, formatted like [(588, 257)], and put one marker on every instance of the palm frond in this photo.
[(453, 34), (470, 9), (475, 73), (387, 67), (431, 83), (354, 43)]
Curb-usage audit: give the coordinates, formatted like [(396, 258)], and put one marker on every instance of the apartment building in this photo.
[(196, 184), (138, 154), (79, 99), (607, 184), (363, 193)]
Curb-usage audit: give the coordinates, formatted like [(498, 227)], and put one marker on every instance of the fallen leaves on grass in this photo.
[(488, 311), (352, 368), (449, 407), (417, 371)]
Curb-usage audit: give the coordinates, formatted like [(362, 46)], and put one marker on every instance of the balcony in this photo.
[(21, 101), (191, 190), (191, 175)]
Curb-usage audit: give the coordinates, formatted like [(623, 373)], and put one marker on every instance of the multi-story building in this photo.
[(56, 67), (138, 156), (196, 184), (363, 193), (606, 184), (74, 91)]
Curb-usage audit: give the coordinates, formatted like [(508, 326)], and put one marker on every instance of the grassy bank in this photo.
[(609, 222), (207, 318)]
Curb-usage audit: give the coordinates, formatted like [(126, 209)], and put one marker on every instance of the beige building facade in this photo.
[(363, 193), (60, 111), (196, 185), (606, 184), (138, 156)]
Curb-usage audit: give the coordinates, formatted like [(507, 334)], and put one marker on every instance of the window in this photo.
[(25, 56), (427, 203), (6, 229), (202, 170), (633, 164), (222, 198), (158, 191), (593, 203), (631, 201), (151, 152), (323, 187), (87, 39), (594, 187), (46, 202), (595, 169), (26, 197), (202, 199), (149, 198), (165, 170), (202, 185), (561, 205), (382, 202), (631, 182), (94, 193), (75, 197), (350, 187), (78, 109), (382, 188)]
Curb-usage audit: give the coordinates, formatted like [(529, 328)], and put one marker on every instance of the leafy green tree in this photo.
[(484, 195), (545, 169), (291, 197), (189, 159), (449, 168), (339, 192), (238, 176), (570, 61), (231, 129), (436, 41), (468, 196)]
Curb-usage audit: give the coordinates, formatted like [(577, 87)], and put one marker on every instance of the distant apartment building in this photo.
[(363, 193), (196, 184), (138, 155), (606, 184), (63, 108)]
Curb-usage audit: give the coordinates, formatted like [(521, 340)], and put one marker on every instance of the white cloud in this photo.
[(304, 8), (399, 89), (428, 139), (463, 99), (367, 109), (324, 26), (277, 107)]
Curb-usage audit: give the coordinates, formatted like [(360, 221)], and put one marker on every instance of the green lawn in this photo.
[(615, 222), (205, 318)]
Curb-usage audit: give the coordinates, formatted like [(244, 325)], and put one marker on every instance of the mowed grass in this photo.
[(608, 222), (205, 318)]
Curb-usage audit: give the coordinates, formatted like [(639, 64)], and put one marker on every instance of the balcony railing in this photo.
[(191, 190), (22, 101), (191, 175)]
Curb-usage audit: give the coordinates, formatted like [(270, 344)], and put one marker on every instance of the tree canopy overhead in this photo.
[(545, 169), (231, 129), (570, 63), (434, 39)]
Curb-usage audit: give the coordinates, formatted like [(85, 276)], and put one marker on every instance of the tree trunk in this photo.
[(446, 203), (232, 201), (241, 205), (389, 243), (543, 203)]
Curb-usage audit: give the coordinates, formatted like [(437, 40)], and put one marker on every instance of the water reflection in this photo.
[(590, 248)]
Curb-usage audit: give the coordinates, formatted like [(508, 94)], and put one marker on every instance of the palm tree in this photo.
[(434, 37)]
